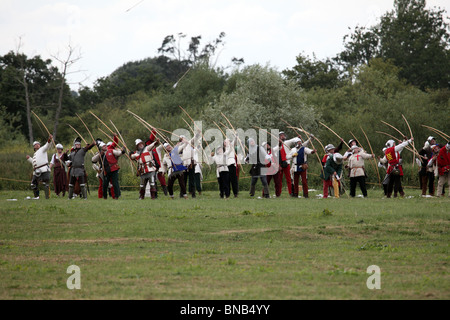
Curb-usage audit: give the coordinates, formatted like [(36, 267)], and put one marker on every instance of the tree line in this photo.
[(401, 65)]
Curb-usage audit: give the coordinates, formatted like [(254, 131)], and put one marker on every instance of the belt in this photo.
[(41, 166)]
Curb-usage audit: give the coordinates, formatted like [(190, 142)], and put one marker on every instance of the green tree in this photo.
[(260, 96), (194, 54), (25, 84), (312, 73), (378, 93), (9, 132), (415, 38), (200, 87), (148, 75)]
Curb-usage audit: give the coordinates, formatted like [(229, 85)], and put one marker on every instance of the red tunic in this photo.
[(112, 160), (393, 159), (443, 161), (154, 152)]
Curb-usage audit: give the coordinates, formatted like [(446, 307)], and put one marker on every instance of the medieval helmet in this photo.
[(390, 143), (77, 141), (329, 147), (338, 158)]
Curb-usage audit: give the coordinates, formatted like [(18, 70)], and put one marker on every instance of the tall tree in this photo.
[(415, 38), (195, 54), (26, 83), (312, 73), (260, 96)]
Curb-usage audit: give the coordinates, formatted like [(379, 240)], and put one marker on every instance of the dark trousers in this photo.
[(264, 183), (198, 184), (395, 184), (362, 184), (297, 176), (74, 179), (190, 173), (114, 178), (427, 179), (149, 178), (100, 189), (224, 184), (172, 178), (45, 179), (233, 179)]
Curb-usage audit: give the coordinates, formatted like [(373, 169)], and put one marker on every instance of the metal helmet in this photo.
[(390, 143), (338, 158), (77, 141), (328, 147)]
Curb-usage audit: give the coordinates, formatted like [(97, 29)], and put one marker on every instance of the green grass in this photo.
[(208, 248)]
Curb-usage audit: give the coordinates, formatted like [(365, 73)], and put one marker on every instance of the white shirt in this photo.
[(40, 159)]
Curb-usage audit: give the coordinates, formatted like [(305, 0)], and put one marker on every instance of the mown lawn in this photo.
[(236, 249)]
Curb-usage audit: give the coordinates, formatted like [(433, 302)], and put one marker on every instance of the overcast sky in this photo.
[(260, 31)]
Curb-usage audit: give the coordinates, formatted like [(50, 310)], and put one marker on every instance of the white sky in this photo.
[(260, 31)]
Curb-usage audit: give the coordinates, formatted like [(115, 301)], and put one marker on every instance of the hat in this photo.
[(77, 141), (281, 132), (431, 138), (166, 145), (329, 147), (35, 143), (447, 146), (59, 146), (390, 143), (138, 141), (109, 143), (355, 146), (101, 144), (338, 158), (351, 140)]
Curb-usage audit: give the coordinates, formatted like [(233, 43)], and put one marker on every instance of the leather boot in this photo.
[(142, 194), (70, 192), (266, 191), (84, 192), (153, 193), (47, 191), (252, 191)]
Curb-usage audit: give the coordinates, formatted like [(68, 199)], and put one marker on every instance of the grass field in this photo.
[(236, 249)]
